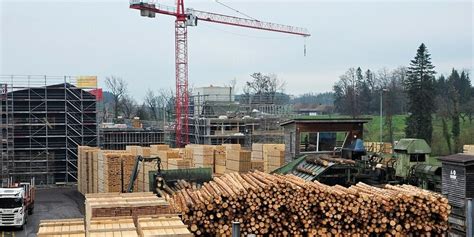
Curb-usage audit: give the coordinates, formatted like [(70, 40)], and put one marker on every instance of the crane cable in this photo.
[(233, 9)]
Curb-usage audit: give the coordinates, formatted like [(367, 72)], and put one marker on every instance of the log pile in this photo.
[(286, 205)]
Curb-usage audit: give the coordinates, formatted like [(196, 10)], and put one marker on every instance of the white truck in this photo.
[(16, 202)]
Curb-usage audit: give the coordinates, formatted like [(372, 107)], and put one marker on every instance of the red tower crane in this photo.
[(190, 17)]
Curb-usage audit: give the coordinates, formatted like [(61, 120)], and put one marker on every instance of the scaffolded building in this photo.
[(120, 138), (43, 121)]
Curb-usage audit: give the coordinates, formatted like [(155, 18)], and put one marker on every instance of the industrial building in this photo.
[(43, 121)]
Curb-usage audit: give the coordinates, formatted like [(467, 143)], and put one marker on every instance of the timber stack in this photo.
[(270, 205)]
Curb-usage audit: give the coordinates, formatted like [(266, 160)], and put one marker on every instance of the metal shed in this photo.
[(458, 186)]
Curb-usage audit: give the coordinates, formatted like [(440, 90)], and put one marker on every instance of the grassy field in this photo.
[(438, 146)]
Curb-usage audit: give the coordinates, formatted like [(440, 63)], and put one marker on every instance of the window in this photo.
[(417, 157)]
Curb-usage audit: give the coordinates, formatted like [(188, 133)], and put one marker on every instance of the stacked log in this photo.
[(270, 205)]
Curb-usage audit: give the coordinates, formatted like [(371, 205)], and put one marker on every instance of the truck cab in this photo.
[(13, 210)]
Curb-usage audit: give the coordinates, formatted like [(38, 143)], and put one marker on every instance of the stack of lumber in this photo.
[(138, 150), (257, 151), (123, 204), (166, 155), (232, 146), (114, 169), (286, 205), (273, 156), (112, 226), (160, 147), (119, 215), (469, 149), (84, 159), (174, 164), (203, 156), (143, 180), (238, 161), (153, 226), (220, 163), (65, 227), (379, 147)]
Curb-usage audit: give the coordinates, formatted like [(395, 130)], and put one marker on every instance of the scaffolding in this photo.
[(120, 138), (43, 121), (243, 131)]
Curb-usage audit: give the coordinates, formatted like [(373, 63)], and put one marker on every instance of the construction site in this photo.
[(223, 165)]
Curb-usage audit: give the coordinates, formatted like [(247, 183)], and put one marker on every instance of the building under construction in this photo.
[(43, 121), (120, 138), (216, 118)]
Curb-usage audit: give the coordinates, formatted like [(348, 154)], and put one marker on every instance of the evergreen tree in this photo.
[(419, 85)]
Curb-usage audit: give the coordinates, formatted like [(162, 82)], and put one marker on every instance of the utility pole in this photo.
[(381, 116)]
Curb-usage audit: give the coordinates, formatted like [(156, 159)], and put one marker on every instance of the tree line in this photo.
[(413, 91)]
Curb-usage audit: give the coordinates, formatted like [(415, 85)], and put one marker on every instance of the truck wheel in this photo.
[(30, 211)]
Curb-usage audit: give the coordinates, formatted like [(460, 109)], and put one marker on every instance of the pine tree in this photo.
[(420, 90)]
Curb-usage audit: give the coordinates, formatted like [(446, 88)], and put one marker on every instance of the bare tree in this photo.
[(118, 87), (129, 107), (152, 101), (264, 87)]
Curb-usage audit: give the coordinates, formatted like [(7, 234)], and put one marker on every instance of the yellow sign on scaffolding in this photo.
[(87, 81)]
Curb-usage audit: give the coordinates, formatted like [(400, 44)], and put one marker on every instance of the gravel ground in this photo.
[(50, 203)]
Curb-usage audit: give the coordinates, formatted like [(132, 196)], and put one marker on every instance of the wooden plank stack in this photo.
[(114, 169), (84, 171), (273, 205), (203, 156), (112, 226), (63, 228), (174, 164), (100, 171), (166, 155), (121, 215), (384, 147), (468, 149), (155, 226), (273, 156), (123, 204), (238, 161), (257, 151)]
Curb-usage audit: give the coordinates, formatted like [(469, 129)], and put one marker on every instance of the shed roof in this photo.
[(413, 146), (461, 158)]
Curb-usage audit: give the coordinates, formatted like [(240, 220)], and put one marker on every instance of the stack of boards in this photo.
[(271, 156), (102, 171), (122, 215), (469, 149), (383, 147)]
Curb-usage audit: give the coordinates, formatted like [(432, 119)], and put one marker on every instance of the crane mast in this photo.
[(189, 17)]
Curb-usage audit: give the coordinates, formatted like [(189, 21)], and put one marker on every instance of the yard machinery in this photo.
[(161, 180), (410, 164)]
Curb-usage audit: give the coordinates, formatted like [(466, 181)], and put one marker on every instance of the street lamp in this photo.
[(382, 90)]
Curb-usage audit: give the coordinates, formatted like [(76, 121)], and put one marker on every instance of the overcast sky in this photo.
[(107, 38)]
